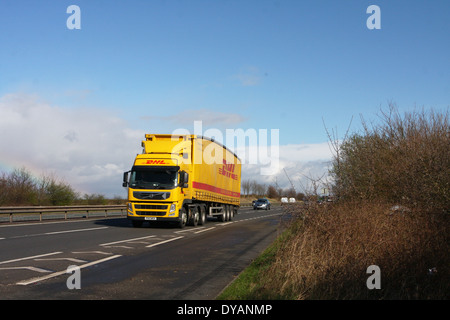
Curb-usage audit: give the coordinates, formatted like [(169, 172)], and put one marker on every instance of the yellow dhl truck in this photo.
[(182, 179)]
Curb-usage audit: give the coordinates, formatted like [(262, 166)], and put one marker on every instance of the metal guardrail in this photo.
[(58, 211)]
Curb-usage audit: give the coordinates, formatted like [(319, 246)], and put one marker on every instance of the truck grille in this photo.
[(151, 206), (151, 195), (151, 213)]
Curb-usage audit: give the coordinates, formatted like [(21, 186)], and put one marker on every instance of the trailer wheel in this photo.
[(183, 219), (222, 217), (231, 210), (227, 212)]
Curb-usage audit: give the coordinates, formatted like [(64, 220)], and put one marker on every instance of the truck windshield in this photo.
[(154, 177)]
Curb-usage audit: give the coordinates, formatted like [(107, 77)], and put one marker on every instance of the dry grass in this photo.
[(331, 247)]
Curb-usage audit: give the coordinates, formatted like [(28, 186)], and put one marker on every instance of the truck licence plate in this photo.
[(150, 218)]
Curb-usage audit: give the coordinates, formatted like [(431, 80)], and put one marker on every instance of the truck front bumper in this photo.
[(154, 219)]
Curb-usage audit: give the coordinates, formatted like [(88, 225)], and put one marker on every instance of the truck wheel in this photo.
[(202, 211), (194, 216), (231, 214), (183, 219)]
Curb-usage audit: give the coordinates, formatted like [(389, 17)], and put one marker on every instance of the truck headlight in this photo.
[(130, 207), (173, 207)]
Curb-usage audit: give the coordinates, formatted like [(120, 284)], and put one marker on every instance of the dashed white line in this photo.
[(226, 223)]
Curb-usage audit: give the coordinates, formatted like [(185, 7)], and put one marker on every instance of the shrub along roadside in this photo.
[(21, 188), (326, 251), (402, 161)]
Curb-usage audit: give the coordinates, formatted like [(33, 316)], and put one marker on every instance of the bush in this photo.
[(20, 187), (404, 160)]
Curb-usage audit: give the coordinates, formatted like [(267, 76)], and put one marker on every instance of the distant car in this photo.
[(284, 200), (261, 204), (292, 200)]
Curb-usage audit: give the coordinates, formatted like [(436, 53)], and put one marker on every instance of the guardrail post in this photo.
[(10, 217), (40, 216)]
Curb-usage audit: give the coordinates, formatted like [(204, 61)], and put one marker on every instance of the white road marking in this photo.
[(115, 242), (123, 247), (32, 257), (68, 259), (165, 241), (59, 273), (27, 268), (187, 230), (205, 230), (57, 232), (224, 224), (89, 252), (74, 230)]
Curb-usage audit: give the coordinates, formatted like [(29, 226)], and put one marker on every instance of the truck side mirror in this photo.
[(184, 179), (125, 179)]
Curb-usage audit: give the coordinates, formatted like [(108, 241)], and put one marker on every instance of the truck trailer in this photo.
[(182, 179)]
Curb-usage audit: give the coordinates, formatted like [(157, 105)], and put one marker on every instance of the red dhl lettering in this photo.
[(227, 170), (155, 162), (228, 166)]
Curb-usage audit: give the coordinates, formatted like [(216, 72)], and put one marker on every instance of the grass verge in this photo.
[(249, 285)]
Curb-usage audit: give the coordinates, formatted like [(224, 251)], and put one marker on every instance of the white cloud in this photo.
[(88, 148), (301, 162)]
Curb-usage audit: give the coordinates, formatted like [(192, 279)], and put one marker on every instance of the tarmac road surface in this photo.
[(117, 261)]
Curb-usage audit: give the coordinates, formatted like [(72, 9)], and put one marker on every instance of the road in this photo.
[(117, 261)]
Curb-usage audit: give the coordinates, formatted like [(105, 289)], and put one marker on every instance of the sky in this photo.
[(77, 102)]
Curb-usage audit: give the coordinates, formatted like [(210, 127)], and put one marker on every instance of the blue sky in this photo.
[(155, 66)]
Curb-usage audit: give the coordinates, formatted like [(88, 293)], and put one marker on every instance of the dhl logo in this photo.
[(227, 170), (156, 162)]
